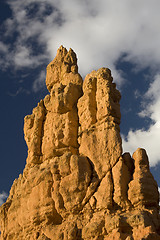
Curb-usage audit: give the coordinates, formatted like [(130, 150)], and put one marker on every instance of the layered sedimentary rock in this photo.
[(77, 184)]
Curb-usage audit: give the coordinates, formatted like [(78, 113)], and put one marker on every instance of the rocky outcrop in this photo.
[(77, 184), (99, 119)]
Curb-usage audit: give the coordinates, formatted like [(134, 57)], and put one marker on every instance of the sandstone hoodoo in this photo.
[(77, 184)]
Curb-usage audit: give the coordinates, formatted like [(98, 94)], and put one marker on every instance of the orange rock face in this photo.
[(77, 184)]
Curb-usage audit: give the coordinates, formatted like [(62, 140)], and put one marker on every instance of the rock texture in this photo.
[(77, 184)]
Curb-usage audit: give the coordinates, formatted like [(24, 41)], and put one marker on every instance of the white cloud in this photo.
[(39, 83), (150, 138), (3, 197), (22, 57), (3, 47), (99, 32)]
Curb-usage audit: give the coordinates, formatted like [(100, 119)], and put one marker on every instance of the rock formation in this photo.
[(77, 184)]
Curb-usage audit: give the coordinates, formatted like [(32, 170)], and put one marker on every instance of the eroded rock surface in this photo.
[(76, 183)]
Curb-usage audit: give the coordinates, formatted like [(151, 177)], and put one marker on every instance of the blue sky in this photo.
[(121, 35)]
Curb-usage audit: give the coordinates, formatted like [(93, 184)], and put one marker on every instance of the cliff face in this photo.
[(76, 183)]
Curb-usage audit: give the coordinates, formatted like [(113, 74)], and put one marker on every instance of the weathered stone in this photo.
[(143, 188), (71, 177), (121, 178), (104, 193), (99, 117), (33, 127), (63, 69), (76, 183)]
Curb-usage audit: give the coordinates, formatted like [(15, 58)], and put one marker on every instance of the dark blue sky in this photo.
[(28, 42)]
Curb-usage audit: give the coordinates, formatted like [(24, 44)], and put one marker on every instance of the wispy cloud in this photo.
[(39, 83), (19, 90), (3, 47), (3, 197), (149, 138)]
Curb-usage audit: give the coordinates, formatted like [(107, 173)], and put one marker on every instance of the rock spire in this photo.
[(77, 184)]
